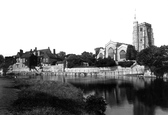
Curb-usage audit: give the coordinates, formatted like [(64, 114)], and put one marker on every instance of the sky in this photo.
[(75, 26)]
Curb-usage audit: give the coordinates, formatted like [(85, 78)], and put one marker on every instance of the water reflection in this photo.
[(125, 98), (132, 96), (155, 95)]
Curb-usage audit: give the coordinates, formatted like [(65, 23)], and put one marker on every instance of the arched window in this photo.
[(101, 55), (111, 52), (122, 54)]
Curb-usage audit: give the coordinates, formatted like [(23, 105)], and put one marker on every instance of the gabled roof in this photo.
[(26, 54), (118, 44), (110, 42), (46, 52), (43, 52)]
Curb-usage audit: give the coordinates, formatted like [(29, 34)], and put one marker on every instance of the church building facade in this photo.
[(114, 50), (142, 38)]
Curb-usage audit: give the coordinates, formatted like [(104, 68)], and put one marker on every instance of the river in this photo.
[(124, 95)]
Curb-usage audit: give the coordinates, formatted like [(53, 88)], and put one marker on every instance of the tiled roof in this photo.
[(47, 52), (26, 55), (119, 44), (43, 52)]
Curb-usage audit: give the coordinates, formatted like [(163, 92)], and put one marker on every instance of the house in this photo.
[(36, 57)]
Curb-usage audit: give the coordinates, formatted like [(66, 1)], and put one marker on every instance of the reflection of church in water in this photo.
[(142, 38)]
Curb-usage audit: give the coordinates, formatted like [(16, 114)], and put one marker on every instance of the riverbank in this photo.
[(7, 95), (47, 98), (51, 98)]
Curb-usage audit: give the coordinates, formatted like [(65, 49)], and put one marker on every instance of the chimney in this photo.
[(30, 50), (54, 51), (35, 49), (21, 52)]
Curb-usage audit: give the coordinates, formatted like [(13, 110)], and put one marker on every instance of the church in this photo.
[(142, 38)]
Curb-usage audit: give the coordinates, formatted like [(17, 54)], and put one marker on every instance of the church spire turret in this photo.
[(135, 32), (135, 20), (135, 15)]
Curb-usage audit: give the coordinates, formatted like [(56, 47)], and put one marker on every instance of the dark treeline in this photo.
[(88, 59), (154, 58)]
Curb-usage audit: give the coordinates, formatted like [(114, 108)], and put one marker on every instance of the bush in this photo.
[(106, 62), (95, 105), (126, 63)]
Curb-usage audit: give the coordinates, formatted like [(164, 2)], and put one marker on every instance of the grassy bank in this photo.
[(52, 98), (47, 98)]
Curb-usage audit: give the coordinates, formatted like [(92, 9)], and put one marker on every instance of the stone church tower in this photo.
[(142, 35)]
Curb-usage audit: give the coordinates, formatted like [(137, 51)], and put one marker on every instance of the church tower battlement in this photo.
[(142, 35)]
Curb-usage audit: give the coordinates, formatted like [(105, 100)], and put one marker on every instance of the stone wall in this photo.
[(54, 68), (23, 68), (134, 70)]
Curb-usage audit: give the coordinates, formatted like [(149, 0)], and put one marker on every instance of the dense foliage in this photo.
[(33, 61), (88, 58), (126, 63), (74, 60), (156, 58), (2, 60), (61, 56), (106, 62), (147, 56), (8, 62), (95, 105), (131, 53)]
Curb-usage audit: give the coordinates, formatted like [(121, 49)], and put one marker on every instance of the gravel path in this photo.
[(7, 94)]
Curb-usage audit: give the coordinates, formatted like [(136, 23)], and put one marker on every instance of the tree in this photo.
[(147, 56), (74, 60), (88, 57), (2, 60), (33, 61), (61, 55), (95, 105), (160, 65), (106, 62), (8, 62), (155, 58), (131, 53)]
